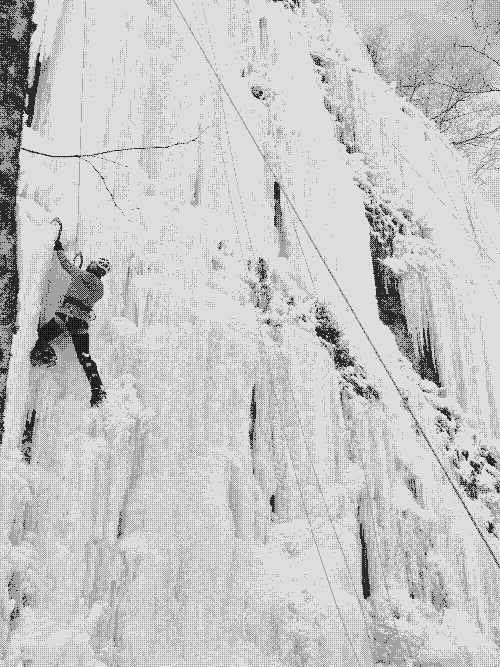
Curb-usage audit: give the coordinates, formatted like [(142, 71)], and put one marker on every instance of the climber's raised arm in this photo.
[(68, 266)]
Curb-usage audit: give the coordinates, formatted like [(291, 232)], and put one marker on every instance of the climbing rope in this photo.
[(330, 519), (397, 150), (296, 408), (394, 145), (403, 397), (81, 120)]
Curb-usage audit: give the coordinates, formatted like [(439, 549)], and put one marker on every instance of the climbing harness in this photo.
[(69, 310)]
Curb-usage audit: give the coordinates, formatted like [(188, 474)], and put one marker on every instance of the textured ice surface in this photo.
[(143, 533)]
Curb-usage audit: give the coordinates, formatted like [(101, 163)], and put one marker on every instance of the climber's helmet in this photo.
[(100, 267)]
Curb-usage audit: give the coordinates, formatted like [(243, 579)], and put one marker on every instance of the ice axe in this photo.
[(60, 228), (78, 254)]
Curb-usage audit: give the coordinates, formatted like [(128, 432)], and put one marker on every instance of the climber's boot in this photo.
[(98, 395), (43, 354)]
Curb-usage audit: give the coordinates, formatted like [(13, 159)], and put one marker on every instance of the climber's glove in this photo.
[(58, 245)]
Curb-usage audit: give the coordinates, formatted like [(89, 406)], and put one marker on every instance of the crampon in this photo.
[(43, 356), (98, 395)]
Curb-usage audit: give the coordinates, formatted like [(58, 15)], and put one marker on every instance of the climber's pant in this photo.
[(78, 330)]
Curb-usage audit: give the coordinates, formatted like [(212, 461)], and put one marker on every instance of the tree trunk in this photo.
[(16, 27)]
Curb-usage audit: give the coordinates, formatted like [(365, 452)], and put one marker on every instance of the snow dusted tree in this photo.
[(450, 68), (16, 26)]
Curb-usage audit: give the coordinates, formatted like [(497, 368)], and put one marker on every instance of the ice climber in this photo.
[(85, 290)]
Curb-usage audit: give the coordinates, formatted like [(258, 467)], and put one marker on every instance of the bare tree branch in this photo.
[(478, 136), (102, 179), (447, 110), (116, 150), (468, 92), (466, 46), (438, 74)]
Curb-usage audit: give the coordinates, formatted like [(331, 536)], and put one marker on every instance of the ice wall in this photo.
[(241, 499), (416, 170)]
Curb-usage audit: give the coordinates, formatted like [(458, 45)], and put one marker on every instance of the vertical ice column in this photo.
[(262, 440), (35, 242)]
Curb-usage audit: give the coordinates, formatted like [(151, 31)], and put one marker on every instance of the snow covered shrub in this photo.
[(261, 289), (264, 94), (329, 331), (290, 4), (476, 470)]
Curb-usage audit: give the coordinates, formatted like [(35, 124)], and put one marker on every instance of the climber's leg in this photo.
[(81, 342), (50, 330), (43, 353)]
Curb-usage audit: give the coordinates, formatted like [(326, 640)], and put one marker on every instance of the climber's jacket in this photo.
[(85, 290)]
